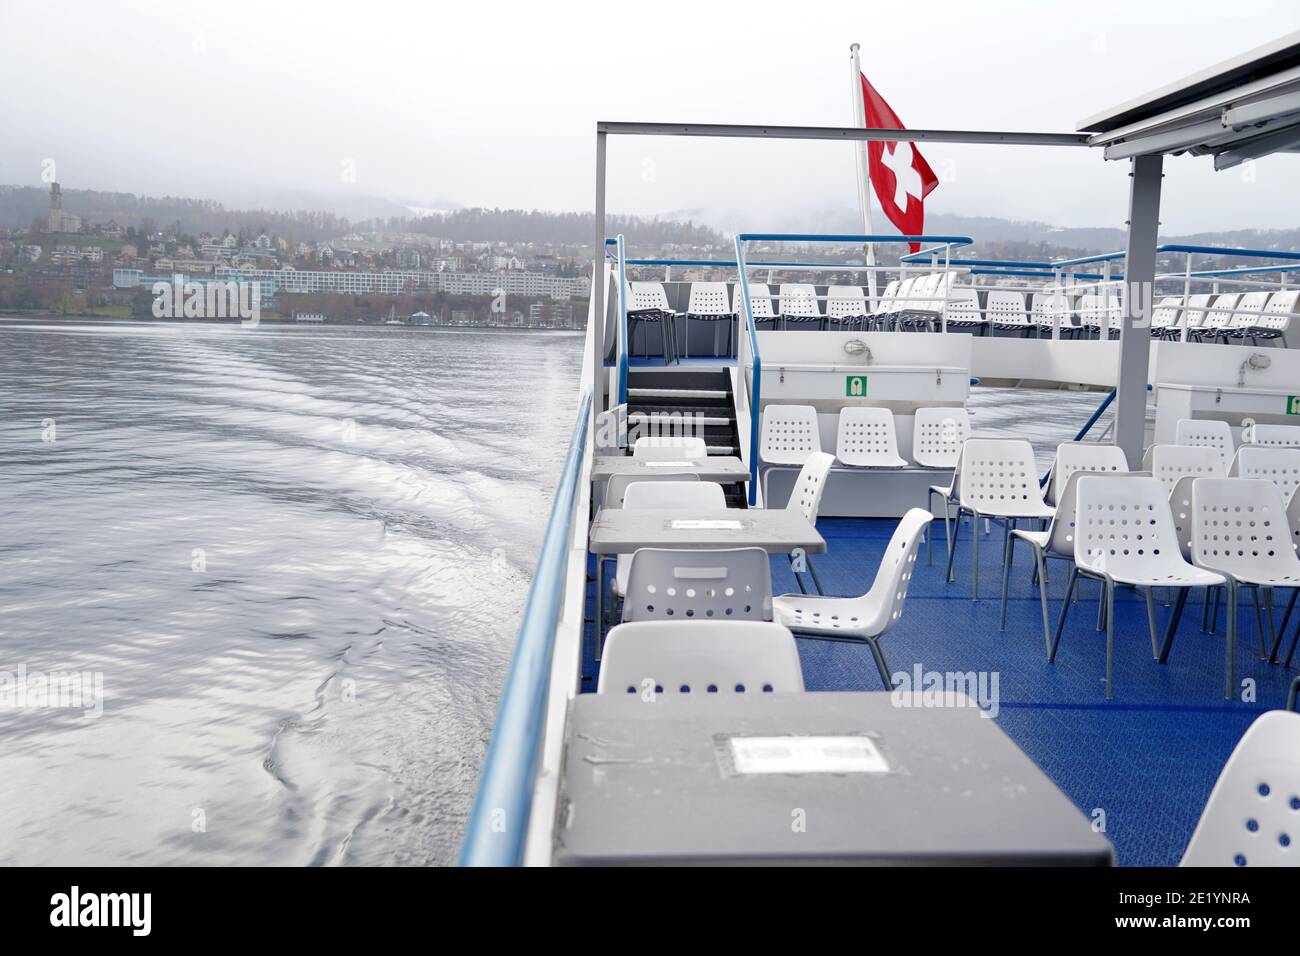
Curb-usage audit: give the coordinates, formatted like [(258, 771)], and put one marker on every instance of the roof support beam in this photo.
[(1139, 285), (845, 133), (599, 286)]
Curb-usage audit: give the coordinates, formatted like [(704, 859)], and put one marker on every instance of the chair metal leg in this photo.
[(1101, 608), (1179, 604), (600, 602), (1259, 621), (1151, 624), (1065, 609), (1041, 564), (1008, 553), (879, 655), (1268, 619), (952, 543), (1110, 635), (817, 582), (1291, 653), (1281, 631), (1230, 645), (975, 558)]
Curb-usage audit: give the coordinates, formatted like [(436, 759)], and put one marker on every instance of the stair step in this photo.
[(693, 418), (676, 393)]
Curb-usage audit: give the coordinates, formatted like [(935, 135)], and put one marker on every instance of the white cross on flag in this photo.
[(901, 176)]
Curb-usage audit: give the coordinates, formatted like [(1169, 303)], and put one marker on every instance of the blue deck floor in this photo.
[(1146, 760)]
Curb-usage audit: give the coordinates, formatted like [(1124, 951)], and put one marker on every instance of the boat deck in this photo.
[(1142, 764)]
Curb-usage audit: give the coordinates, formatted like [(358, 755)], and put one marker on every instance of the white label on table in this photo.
[(668, 464), (806, 755), (706, 524)]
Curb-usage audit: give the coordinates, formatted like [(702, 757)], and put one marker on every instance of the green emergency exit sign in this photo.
[(1293, 405), (855, 386)]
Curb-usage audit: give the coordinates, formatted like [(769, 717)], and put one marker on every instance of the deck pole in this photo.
[(1139, 281), (599, 286)]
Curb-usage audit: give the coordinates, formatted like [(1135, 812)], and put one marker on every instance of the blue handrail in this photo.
[(498, 823), (1087, 426), (756, 392), (835, 237), (622, 320), (1228, 251)]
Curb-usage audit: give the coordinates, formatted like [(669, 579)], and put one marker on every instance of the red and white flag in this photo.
[(901, 176)]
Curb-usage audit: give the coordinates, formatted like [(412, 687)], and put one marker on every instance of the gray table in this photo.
[(723, 468), (620, 531), (659, 782)]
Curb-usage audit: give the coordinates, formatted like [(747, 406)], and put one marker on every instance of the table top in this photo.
[(713, 468), (701, 779), (621, 531)]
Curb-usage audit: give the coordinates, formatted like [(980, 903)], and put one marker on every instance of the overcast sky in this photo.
[(494, 103)]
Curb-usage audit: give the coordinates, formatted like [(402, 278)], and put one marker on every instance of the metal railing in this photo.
[(498, 822)]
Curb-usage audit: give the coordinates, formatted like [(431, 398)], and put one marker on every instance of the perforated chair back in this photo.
[(1194, 313), (799, 302), (1170, 463), (1209, 434), (1046, 306), (999, 477), (903, 294), (617, 490), (649, 297), (1180, 506), (699, 657), (1293, 518), (1249, 304), (937, 436), (694, 584), (846, 302), (1091, 311), (708, 299), (1281, 308), (964, 307), (1072, 456), (1278, 465), (888, 298), (1220, 316), (806, 496), (1006, 308), (866, 438), (1123, 528), (1166, 314), (1239, 527), (790, 434), (1251, 816), (670, 448), (760, 299), (1061, 531), (1275, 436)]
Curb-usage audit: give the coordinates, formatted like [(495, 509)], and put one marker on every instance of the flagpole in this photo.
[(860, 156)]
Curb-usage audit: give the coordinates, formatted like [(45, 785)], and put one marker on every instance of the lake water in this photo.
[(294, 557)]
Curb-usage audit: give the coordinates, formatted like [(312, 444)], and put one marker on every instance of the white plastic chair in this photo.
[(998, 480), (1172, 463), (699, 584), (1194, 315), (676, 493), (789, 435), (866, 438), (1241, 531), (1278, 465), (1251, 816), (760, 301), (1281, 309), (938, 434), (846, 306), (649, 303), (710, 302), (1046, 307), (1006, 311), (1165, 317), (1124, 536), (1209, 433), (616, 490), (899, 300), (1246, 319), (1056, 542), (1219, 319), (1275, 436), (798, 305), (806, 498), (862, 619), (964, 309), (670, 448), (1072, 456), (699, 657)]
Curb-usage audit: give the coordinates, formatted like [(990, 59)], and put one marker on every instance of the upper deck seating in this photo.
[(799, 306), (699, 657), (760, 299), (1006, 311), (1276, 322), (846, 308), (964, 310), (1166, 316), (710, 303), (1250, 306), (862, 619), (650, 305), (1047, 308), (1194, 315), (1220, 317)]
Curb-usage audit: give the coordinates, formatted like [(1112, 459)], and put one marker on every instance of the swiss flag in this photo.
[(901, 176)]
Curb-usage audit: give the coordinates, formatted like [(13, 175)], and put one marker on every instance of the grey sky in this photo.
[(494, 103)]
